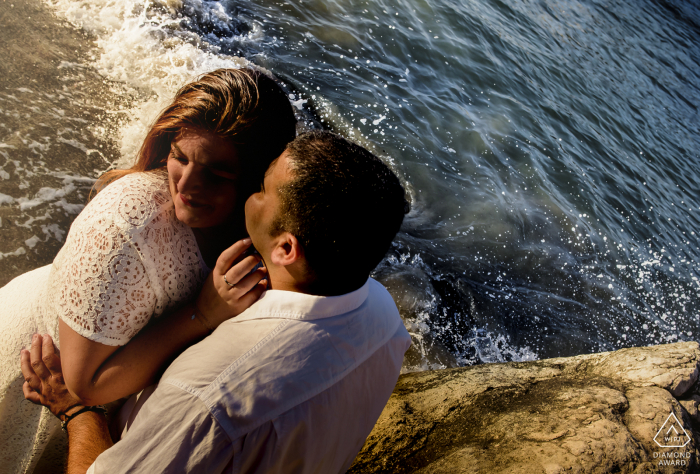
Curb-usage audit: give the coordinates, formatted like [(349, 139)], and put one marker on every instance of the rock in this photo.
[(691, 406), (673, 367), (594, 413)]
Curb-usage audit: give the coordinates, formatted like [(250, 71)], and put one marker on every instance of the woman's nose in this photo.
[(190, 180)]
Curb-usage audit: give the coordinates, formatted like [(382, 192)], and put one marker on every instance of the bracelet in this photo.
[(63, 413), (202, 319), (96, 408)]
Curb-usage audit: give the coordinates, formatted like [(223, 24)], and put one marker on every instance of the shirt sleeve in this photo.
[(173, 433), (99, 285)]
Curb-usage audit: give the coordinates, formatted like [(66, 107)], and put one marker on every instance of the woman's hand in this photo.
[(230, 289)]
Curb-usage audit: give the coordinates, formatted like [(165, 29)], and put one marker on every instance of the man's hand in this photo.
[(44, 385), (43, 378)]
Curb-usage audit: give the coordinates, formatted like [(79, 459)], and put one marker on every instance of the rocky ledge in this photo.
[(630, 411)]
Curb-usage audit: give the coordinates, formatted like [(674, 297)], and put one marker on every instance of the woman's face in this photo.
[(203, 172)]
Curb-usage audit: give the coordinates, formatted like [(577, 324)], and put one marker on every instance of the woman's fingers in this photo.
[(229, 256), (233, 285), (252, 296), (35, 354), (248, 282), (241, 269)]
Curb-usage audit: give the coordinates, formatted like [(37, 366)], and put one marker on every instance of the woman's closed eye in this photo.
[(220, 175), (180, 159), (215, 173)]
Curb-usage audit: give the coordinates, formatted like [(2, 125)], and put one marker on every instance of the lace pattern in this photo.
[(126, 258)]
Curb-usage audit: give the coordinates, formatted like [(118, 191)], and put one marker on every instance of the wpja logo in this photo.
[(672, 435)]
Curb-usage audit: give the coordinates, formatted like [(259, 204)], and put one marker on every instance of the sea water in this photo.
[(549, 148)]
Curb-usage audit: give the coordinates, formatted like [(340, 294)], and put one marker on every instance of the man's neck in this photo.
[(281, 279)]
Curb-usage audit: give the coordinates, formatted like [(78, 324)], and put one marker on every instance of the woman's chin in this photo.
[(188, 218), (197, 221)]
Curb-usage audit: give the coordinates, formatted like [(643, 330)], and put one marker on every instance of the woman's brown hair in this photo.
[(243, 106)]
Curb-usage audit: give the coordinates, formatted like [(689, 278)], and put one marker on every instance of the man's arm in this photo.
[(173, 431), (88, 437), (88, 434)]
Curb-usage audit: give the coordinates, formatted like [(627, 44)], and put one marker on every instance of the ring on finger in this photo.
[(227, 282)]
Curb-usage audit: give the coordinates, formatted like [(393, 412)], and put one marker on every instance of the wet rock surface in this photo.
[(631, 411)]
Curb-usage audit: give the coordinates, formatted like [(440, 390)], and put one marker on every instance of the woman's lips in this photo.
[(189, 203)]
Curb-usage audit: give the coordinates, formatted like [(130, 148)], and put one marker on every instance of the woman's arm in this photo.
[(97, 373)]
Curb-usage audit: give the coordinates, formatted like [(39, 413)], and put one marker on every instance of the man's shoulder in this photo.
[(250, 337), (380, 299), (216, 356), (252, 370)]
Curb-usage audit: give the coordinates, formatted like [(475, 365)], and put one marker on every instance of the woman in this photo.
[(143, 246)]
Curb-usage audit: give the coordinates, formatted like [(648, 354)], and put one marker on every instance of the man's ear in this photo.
[(287, 250)]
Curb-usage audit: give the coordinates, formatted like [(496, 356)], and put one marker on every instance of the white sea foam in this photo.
[(16, 253), (32, 241), (80, 146), (45, 195), (5, 199), (70, 208), (28, 223), (419, 302), (143, 47), (53, 230)]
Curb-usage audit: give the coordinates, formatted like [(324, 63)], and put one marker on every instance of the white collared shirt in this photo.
[(293, 384)]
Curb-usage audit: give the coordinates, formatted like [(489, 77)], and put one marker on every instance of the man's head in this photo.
[(326, 215)]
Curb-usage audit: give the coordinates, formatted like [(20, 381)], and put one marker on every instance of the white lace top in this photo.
[(126, 258)]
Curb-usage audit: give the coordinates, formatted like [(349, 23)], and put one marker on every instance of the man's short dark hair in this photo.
[(343, 204)]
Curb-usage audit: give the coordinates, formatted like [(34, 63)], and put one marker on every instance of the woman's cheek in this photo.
[(226, 204)]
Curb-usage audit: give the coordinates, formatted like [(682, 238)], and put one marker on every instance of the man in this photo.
[(296, 382)]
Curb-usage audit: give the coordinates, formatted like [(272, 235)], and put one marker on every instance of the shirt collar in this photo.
[(280, 304)]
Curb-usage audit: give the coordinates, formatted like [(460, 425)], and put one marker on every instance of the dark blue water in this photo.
[(550, 149)]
